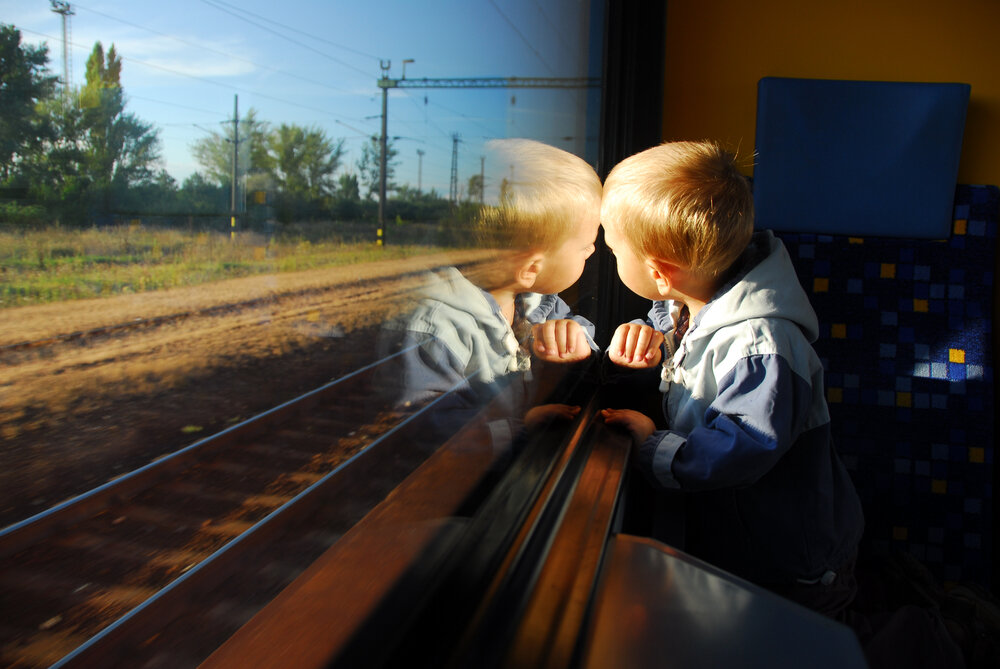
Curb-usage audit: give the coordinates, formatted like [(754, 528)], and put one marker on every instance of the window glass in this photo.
[(211, 212), (211, 209), (148, 299)]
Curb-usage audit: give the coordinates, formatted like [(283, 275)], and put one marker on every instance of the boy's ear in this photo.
[(528, 269), (662, 273)]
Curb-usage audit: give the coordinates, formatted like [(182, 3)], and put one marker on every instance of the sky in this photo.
[(185, 63)]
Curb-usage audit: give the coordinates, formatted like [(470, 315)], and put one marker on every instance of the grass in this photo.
[(45, 265)]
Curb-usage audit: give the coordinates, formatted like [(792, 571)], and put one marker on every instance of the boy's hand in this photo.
[(636, 346), (639, 425), (546, 413), (560, 340)]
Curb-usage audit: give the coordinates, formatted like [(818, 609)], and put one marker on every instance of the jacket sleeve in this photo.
[(760, 410)]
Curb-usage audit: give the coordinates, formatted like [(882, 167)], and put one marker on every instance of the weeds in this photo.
[(55, 264)]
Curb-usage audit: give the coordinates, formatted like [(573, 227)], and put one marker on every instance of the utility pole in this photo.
[(236, 153), (482, 179), (63, 8), (385, 65), (385, 83), (420, 169), (453, 190)]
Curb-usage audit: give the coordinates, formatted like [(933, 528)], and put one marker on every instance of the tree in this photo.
[(120, 149), (347, 200), (215, 152), (23, 85), (413, 205), (506, 192), (57, 171), (476, 188), (201, 196), (296, 163), (304, 161), (370, 169), (348, 188)]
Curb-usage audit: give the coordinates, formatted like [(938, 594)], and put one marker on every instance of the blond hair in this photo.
[(548, 194), (681, 202)]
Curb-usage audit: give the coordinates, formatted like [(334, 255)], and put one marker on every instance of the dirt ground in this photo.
[(94, 389)]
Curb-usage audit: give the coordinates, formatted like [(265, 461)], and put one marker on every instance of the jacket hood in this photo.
[(450, 288), (760, 289)]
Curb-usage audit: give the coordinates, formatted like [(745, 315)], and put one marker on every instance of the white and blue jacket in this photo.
[(458, 340), (749, 429)]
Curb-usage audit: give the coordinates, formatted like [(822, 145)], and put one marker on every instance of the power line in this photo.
[(464, 116), (296, 30), (221, 8), (230, 86), (204, 80), (216, 51), (173, 104), (553, 27), (426, 120), (523, 38)]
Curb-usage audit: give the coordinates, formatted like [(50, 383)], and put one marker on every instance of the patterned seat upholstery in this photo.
[(906, 341)]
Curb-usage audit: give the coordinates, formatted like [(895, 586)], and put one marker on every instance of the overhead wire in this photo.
[(173, 104), (210, 49), (301, 32), (426, 120), (223, 8), (269, 25), (202, 79), (557, 30), (524, 39)]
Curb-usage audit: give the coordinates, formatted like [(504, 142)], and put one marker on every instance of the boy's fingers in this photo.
[(614, 417), (642, 342), (617, 346), (649, 343), (560, 337), (657, 343), (554, 338), (545, 339), (573, 331), (629, 345), (537, 334)]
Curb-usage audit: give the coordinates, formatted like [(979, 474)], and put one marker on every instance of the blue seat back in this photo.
[(906, 335), (858, 157)]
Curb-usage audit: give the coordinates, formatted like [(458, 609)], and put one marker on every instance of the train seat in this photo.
[(905, 304)]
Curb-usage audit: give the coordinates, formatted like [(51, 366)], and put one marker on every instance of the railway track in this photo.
[(210, 532), (99, 367)]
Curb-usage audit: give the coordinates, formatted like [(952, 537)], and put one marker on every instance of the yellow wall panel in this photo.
[(717, 50)]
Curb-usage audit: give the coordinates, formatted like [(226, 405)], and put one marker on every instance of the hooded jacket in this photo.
[(456, 339), (749, 429)]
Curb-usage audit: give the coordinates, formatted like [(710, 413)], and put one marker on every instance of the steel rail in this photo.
[(34, 528), (113, 641)]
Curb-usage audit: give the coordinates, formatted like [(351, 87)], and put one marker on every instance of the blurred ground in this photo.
[(76, 411)]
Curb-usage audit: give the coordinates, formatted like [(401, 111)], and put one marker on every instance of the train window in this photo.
[(228, 236)]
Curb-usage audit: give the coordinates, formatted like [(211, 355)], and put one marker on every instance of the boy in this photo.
[(748, 435), (473, 329)]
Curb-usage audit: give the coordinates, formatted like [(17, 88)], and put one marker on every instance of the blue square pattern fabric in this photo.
[(905, 339), (858, 157)]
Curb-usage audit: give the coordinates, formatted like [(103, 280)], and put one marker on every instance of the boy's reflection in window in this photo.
[(476, 329)]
